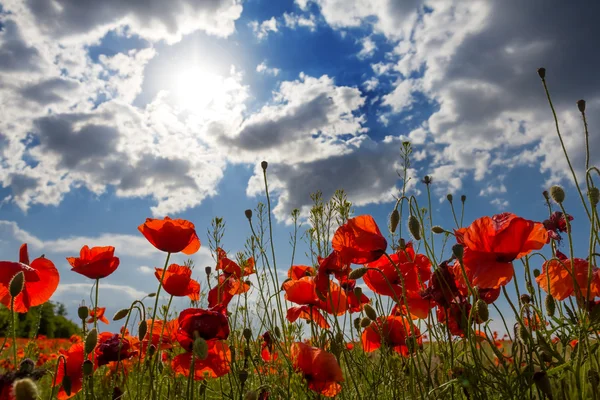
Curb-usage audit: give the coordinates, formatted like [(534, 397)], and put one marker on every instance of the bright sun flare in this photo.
[(195, 88)]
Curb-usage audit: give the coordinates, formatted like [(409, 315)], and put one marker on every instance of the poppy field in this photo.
[(396, 309)]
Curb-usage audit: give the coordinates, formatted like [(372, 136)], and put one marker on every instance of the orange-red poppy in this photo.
[(75, 357), (303, 291), (391, 331), (442, 287), (455, 317), (216, 364), (230, 267), (559, 272), (359, 241), (171, 235), (300, 271), (491, 244), (178, 281), (95, 263), (97, 314), (320, 368), (169, 334), (114, 347), (207, 324), (223, 292), (41, 281), (267, 352), (309, 313)]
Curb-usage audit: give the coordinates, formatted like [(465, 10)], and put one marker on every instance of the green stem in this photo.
[(14, 330), (162, 278)]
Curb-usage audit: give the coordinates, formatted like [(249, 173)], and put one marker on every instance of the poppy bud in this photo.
[(151, 295), (481, 311), (463, 198), (26, 366), (437, 230), (365, 322), (121, 314), (581, 105), (427, 180), (251, 395), (248, 213), (90, 341), (88, 367), (243, 375), (594, 196), (540, 378), (402, 244), (449, 197), (536, 273), (83, 312), (247, 333), (357, 323), (414, 227), (264, 165), (394, 220), (370, 311), (358, 292), (16, 285), (200, 348), (66, 384), (25, 389), (593, 378), (521, 333), (458, 251), (160, 367), (277, 331), (358, 273), (546, 195), (542, 72), (557, 193), (550, 305), (525, 299), (208, 270), (142, 329)]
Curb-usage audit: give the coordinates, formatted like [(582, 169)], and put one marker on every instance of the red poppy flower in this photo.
[(491, 244), (97, 314), (171, 235), (442, 287), (557, 223), (95, 263), (359, 241), (41, 281), (560, 271), (267, 352), (320, 368), (230, 267), (114, 347), (419, 307), (169, 334), (178, 281), (303, 292), (207, 324), (300, 271), (223, 292), (455, 317), (391, 331), (216, 364), (75, 358), (309, 313)]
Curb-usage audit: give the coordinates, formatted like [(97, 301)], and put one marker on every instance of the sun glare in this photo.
[(195, 88)]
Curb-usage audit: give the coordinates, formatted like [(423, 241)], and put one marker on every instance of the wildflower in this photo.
[(359, 240), (442, 287), (95, 263), (40, 283), (557, 223), (171, 235), (304, 292), (97, 314), (168, 338), (320, 369), (114, 347), (74, 370), (455, 317), (267, 353), (207, 324), (557, 280), (309, 313), (391, 331), (178, 282), (216, 364), (230, 267), (491, 244), (300, 271)]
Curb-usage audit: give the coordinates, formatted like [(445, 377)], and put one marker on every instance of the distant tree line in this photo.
[(49, 319)]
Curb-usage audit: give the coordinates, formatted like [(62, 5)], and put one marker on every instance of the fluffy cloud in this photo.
[(261, 29), (265, 69), (293, 21)]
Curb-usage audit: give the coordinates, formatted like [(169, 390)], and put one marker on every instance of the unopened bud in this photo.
[(463, 198), (394, 220), (83, 312), (370, 311), (536, 273), (88, 367), (26, 366), (546, 195), (200, 348), (414, 227), (525, 298), (594, 196), (449, 197), (458, 251), (358, 292), (25, 389), (557, 193), (208, 270), (16, 285), (121, 314), (358, 273), (151, 295), (437, 230), (277, 332), (540, 378), (365, 322), (427, 179), (151, 350), (66, 384), (550, 305), (357, 323), (581, 105), (401, 244), (264, 165), (248, 213), (90, 341), (142, 329), (247, 333), (542, 72), (481, 311), (522, 334), (243, 375)]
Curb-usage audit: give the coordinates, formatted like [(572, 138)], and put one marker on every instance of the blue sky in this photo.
[(118, 111)]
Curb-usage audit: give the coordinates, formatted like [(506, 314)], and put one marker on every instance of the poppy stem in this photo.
[(162, 278), (14, 330), (96, 305)]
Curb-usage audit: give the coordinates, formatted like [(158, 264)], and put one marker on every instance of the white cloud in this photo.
[(261, 29), (371, 84), (263, 68), (85, 288), (146, 270), (500, 203), (293, 21), (368, 48)]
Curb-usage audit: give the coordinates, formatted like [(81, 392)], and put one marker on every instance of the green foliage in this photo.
[(49, 319)]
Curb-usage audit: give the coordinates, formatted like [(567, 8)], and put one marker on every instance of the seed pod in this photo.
[(83, 312), (536, 273), (458, 251), (16, 285), (550, 305), (581, 105), (121, 314), (463, 198), (248, 213), (25, 389), (200, 348), (540, 378), (90, 341), (370, 311), (594, 196), (394, 220), (437, 230), (264, 165), (557, 193), (542, 72), (358, 273), (414, 227), (546, 195), (88, 367), (525, 298), (142, 329), (247, 332), (481, 311), (365, 322), (449, 197)]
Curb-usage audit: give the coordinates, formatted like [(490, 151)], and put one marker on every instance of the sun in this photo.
[(196, 88)]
